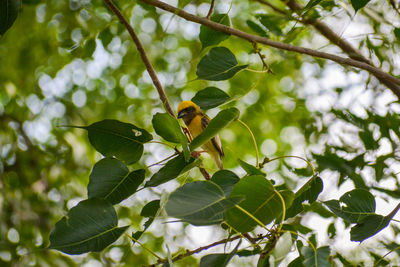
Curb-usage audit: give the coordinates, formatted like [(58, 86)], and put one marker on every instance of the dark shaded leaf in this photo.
[(261, 201), (219, 122), (218, 259), (308, 192), (210, 97), (256, 28), (219, 64), (371, 225), (149, 210), (353, 206), (200, 203), (110, 179), (272, 23), (122, 140), (358, 4), (396, 32), (209, 36), (92, 225), (8, 14), (172, 169)]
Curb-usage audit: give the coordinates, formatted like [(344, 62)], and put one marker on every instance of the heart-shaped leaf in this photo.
[(226, 180), (92, 225), (110, 179), (219, 64), (358, 4), (114, 138), (318, 258), (200, 203), (219, 122), (210, 97)]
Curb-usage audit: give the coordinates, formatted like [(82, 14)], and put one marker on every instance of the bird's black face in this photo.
[(189, 111)]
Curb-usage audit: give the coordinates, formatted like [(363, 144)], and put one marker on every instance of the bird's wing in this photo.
[(215, 140)]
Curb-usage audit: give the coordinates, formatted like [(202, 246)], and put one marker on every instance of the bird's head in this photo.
[(187, 108)]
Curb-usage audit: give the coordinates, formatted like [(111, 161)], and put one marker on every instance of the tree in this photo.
[(308, 119)]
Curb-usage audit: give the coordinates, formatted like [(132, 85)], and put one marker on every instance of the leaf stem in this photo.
[(253, 138), (267, 160), (161, 143), (143, 246), (283, 210)]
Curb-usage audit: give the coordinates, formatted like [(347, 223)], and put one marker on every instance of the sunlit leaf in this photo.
[(250, 169), (200, 203), (210, 97), (261, 202), (318, 258), (168, 128), (219, 64), (110, 179), (92, 225)]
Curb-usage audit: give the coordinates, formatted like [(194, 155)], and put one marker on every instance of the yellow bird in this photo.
[(197, 121)]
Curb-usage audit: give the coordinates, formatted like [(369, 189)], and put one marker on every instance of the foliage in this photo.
[(307, 155)]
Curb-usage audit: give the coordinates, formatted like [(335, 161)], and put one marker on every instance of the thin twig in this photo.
[(279, 45), (210, 12), (393, 4)]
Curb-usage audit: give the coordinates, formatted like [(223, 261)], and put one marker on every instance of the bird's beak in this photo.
[(181, 114)]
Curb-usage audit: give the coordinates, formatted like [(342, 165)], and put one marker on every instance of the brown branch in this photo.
[(211, 9), (149, 67), (263, 40), (334, 38), (393, 4), (143, 55), (198, 250)]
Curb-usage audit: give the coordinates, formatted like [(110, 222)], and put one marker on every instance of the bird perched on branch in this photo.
[(197, 121)]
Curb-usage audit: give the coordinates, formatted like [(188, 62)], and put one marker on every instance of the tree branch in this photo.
[(149, 67), (143, 55), (335, 39), (262, 40)]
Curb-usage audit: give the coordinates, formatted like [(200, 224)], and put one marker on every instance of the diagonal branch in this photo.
[(143, 55), (262, 40), (335, 39), (149, 67)]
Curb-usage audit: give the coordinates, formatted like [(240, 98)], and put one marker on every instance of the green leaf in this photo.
[(8, 14), (272, 23), (218, 259), (261, 201), (92, 225), (358, 4), (226, 180), (353, 206), (282, 248), (396, 32), (210, 97), (318, 258), (106, 37), (219, 122), (168, 128), (150, 210), (172, 169), (371, 225), (311, 4), (110, 179), (200, 203), (208, 36), (256, 28), (219, 64), (114, 138), (308, 192), (250, 169)]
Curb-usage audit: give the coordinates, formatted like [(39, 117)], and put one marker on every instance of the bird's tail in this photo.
[(218, 160)]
